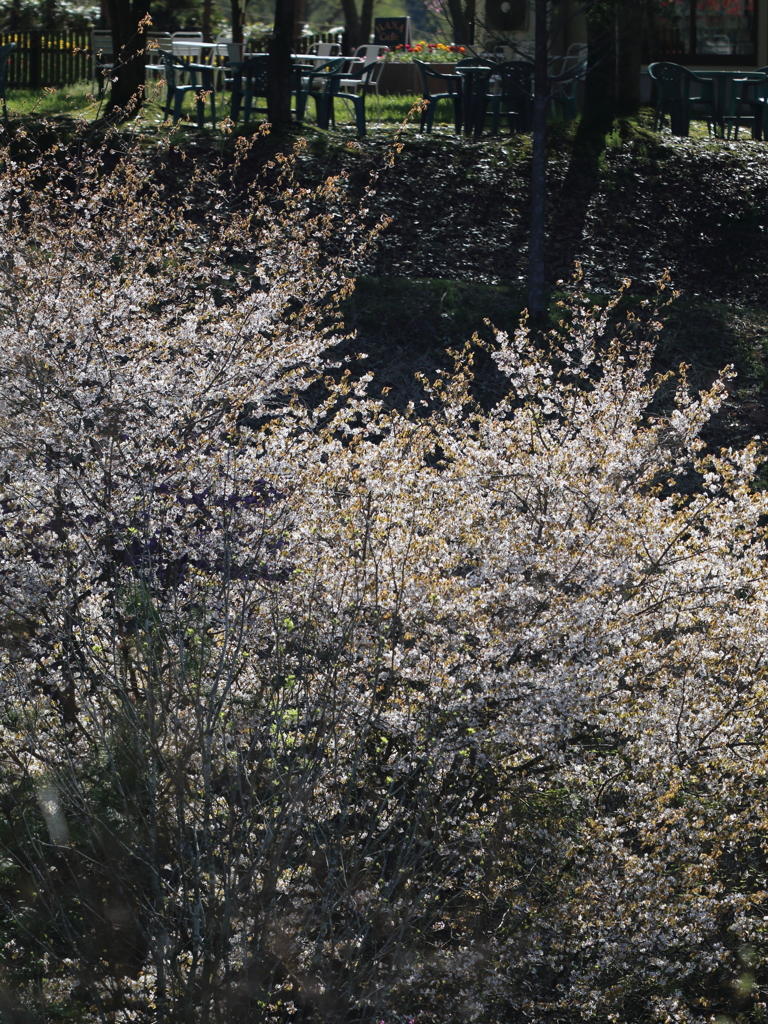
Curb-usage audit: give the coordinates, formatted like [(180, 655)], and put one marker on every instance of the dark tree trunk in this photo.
[(462, 32), (280, 65), (600, 83), (237, 21), (537, 237), (629, 36), (207, 34), (352, 27), (366, 21), (128, 42)]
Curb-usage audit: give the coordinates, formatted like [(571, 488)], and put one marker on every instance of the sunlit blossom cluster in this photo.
[(318, 708)]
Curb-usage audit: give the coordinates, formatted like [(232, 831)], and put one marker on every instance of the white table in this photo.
[(196, 49)]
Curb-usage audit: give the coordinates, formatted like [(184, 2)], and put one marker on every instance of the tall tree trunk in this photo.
[(352, 27), (537, 235), (236, 9), (600, 82), (207, 33), (128, 44), (462, 32), (366, 21), (280, 65), (629, 41)]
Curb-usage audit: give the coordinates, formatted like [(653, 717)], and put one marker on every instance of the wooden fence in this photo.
[(62, 58), (47, 58)]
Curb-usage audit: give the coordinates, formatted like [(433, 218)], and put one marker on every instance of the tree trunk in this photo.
[(629, 40), (237, 21), (537, 235), (600, 82), (352, 27), (366, 21), (280, 65), (461, 28), (128, 44)]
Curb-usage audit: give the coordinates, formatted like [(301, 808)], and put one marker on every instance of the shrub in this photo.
[(315, 709)]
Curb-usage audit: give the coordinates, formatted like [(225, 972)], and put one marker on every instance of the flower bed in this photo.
[(431, 53), (404, 79)]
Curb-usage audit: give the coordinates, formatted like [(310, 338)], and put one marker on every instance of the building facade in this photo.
[(697, 33)]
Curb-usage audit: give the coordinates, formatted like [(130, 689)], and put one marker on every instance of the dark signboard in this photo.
[(392, 32)]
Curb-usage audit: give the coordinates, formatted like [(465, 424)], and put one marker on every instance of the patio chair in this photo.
[(511, 96), (312, 83), (754, 95), (5, 55), (562, 63), (563, 89), (370, 52), (357, 99), (325, 49), (175, 92), (187, 49), (102, 57), (153, 62), (673, 97), (431, 78), (352, 84), (249, 83)]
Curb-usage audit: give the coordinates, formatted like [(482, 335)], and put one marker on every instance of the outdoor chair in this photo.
[(431, 78), (357, 99), (353, 82), (5, 55), (102, 56), (370, 52), (325, 49), (576, 54), (563, 89), (673, 97), (313, 83), (175, 92), (249, 83), (187, 41), (511, 96), (754, 95), (153, 62)]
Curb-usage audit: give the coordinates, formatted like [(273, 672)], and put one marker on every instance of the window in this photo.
[(708, 31)]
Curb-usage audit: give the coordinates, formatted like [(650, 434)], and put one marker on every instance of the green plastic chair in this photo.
[(5, 53), (453, 85), (333, 91), (313, 84), (754, 95), (173, 68), (673, 96), (563, 89), (249, 83), (511, 96)]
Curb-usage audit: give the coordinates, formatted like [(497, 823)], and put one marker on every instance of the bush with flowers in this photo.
[(315, 709), (431, 53)]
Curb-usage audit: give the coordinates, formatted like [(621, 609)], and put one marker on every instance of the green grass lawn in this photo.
[(79, 100)]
